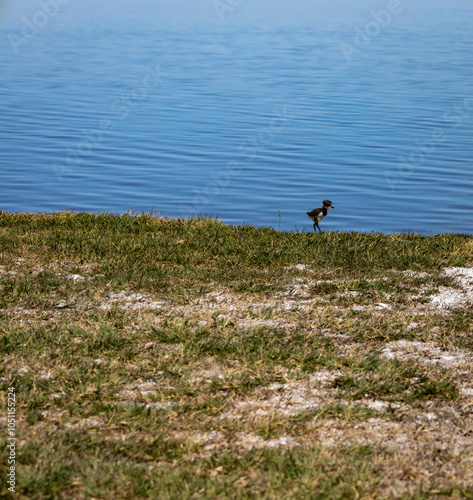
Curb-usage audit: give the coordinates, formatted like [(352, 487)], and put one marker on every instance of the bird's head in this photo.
[(327, 204)]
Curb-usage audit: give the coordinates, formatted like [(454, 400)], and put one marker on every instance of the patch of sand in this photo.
[(452, 298), (426, 352), (134, 301)]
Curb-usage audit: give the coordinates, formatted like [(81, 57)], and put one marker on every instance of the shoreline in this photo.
[(158, 216)]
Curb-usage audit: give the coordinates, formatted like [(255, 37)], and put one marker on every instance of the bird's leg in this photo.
[(320, 230), (314, 226)]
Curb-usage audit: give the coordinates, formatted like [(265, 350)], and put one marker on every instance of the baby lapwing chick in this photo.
[(319, 213)]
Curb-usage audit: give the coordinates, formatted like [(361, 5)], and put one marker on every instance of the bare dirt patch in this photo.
[(288, 399), (133, 301), (428, 352), (452, 298)]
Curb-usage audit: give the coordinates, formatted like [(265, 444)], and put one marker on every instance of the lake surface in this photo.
[(249, 122)]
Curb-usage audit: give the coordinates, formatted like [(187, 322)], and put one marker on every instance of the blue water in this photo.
[(250, 122)]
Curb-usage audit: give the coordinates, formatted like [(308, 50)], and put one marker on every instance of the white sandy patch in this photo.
[(299, 267), (292, 400), (21, 311), (323, 378), (76, 277), (341, 338), (287, 399), (213, 299), (417, 274), (466, 391), (135, 301), (379, 306), (245, 441), (299, 288), (23, 370), (349, 293), (139, 389), (4, 272), (160, 405), (85, 423), (451, 298), (53, 415), (289, 305), (380, 406), (209, 439), (253, 441), (426, 352), (248, 324), (359, 308)]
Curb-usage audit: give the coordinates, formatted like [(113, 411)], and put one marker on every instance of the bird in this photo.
[(319, 213)]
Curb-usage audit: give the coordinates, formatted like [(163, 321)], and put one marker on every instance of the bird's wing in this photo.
[(314, 212)]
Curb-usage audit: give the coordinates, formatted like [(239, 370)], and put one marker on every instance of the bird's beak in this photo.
[(332, 206)]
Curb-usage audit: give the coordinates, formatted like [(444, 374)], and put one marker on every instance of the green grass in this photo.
[(157, 358), (144, 253)]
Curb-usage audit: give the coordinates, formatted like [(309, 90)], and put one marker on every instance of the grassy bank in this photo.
[(156, 358)]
